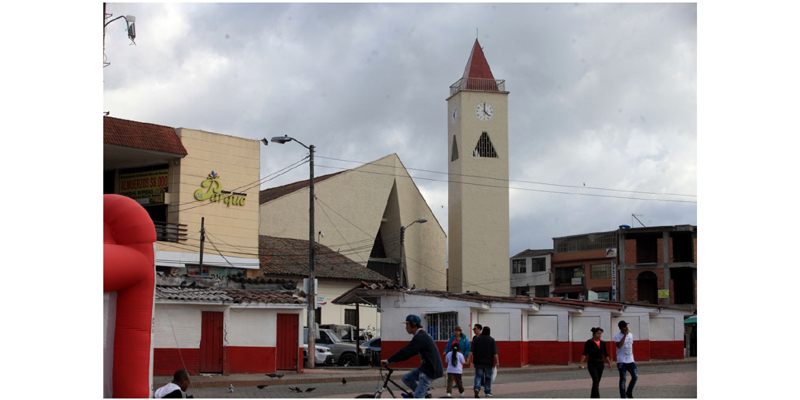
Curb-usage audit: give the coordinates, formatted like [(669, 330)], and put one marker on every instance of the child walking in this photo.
[(455, 367)]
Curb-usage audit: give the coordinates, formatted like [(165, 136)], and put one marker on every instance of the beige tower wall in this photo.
[(478, 207), (353, 206), (233, 229)]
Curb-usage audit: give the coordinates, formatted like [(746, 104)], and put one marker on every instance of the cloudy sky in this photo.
[(602, 103)]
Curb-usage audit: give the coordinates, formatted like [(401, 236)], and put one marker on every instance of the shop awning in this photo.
[(601, 289), (568, 289)]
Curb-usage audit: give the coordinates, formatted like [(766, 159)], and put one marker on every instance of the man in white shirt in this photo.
[(625, 363)]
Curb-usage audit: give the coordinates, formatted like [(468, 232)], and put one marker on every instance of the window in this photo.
[(538, 264), (518, 266), (601, 271), (564, 275), (455, 150), (441, 325), (350, 317), (593, 241), (484, 147), (542, 291)]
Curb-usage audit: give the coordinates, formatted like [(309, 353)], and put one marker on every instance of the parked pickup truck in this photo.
[(346, 332), (343, 353)]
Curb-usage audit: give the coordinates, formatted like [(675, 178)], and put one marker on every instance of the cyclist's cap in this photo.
[(413, 319)]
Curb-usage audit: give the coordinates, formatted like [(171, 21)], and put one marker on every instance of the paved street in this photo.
[(655, 381)]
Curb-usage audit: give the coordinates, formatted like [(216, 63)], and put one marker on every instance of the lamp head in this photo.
[(265, 141), (281, 139), (421, 220)]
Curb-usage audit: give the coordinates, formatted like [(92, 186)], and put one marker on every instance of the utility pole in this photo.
[(202, 241)]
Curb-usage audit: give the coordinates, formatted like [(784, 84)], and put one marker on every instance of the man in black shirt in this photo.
[(422, 344), (176, 388), (484, 357)]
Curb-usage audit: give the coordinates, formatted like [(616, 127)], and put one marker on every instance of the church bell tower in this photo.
[(477, 136)]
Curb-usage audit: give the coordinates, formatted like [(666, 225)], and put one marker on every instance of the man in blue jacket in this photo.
[(419, 379)]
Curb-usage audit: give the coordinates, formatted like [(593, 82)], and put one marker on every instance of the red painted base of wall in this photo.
[(667, 350), (519, 354), (548, 353), (167, 361), (251, 360), (238, 360)]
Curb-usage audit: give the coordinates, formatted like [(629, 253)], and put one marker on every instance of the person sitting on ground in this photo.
[(175, 389)]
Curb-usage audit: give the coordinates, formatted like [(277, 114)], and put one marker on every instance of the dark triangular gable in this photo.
[(455, 150), (484, 147)]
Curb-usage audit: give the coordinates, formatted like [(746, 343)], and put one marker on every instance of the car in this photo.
[(344, 354), (372, 351), (323, 355)]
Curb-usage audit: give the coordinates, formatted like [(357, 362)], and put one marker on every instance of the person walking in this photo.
[(484, 352), (625, 363), (595, 349), (418, 379), (457, 338), (175, 389), (476, 331), (455, 362)]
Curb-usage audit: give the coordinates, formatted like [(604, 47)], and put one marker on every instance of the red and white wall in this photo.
[(207, 338), (546, 334)]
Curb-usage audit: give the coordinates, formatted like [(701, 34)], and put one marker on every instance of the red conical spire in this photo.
[(477, 66)]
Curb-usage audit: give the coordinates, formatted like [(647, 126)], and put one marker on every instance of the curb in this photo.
[(299, 380)]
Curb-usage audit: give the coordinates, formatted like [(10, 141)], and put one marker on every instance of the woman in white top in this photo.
[(455, 366)]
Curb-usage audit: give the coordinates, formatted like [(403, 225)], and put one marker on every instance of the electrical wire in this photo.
[(506, 180), (511, 187)]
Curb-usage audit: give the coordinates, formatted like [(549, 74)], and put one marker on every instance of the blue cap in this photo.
[(413, 319)]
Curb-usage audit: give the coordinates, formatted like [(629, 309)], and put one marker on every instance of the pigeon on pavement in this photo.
[(230, 389), (271, 375), (261, 386), (344, 381), (310, 389)]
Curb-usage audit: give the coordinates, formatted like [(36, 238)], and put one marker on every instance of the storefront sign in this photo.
[(613, 281), (215, 194), (663, 294), (611, 252), (147, 187)]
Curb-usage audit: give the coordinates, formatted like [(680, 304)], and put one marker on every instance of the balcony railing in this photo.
[(166, 232), (489, 85)]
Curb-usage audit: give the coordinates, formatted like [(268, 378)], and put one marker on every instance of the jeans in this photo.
[(484, 374), (624, 368), (596, 372), (420, 389)]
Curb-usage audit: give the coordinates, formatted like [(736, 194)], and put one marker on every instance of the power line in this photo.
[(511, 187), (507, 180)]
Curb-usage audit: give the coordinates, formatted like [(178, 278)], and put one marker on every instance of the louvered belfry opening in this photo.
[(455, 150), (484, 147)]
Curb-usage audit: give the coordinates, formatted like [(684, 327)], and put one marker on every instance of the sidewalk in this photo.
[(355, 374)]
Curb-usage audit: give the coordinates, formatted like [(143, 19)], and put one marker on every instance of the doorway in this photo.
[(288, 347), (648, 287), (211, 343)]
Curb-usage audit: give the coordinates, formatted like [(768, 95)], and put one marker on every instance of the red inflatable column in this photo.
[(129, 269)]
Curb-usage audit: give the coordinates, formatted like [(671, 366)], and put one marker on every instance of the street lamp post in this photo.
[(311, 295), (403, 269)]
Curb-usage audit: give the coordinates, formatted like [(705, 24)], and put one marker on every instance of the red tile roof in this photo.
[(226, 295), (289, 257), (270, 194), (141, 135)]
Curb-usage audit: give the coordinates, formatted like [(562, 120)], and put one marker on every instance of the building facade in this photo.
[(658, 265), (531, 273), (583, 265), (477, 142)]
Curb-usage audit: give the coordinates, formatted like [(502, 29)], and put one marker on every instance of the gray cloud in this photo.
[(601, 94)]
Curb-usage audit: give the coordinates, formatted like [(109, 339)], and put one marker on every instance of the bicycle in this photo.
[(386, 386)]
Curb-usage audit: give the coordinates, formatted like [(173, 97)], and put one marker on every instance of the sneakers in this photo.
[(462, 394), (405, 396), (489, 395), (476, 394), (448, 395)]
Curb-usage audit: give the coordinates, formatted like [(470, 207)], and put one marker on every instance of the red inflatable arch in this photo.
[(128, 277)]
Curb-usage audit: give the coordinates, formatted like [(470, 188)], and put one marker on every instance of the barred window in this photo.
[(517, 266), (538, 264), (601, 271), (441, 325)]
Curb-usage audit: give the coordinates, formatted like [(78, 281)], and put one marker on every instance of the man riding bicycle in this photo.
[(419, 379)]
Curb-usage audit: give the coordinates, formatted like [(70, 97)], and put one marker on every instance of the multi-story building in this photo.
[(658, 265), (583, 265), (531, 273)]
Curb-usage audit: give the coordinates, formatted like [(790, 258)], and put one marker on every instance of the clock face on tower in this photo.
[(484, 111), (454, 114)]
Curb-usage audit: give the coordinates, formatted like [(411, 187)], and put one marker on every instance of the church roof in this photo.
[(477, 66)]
